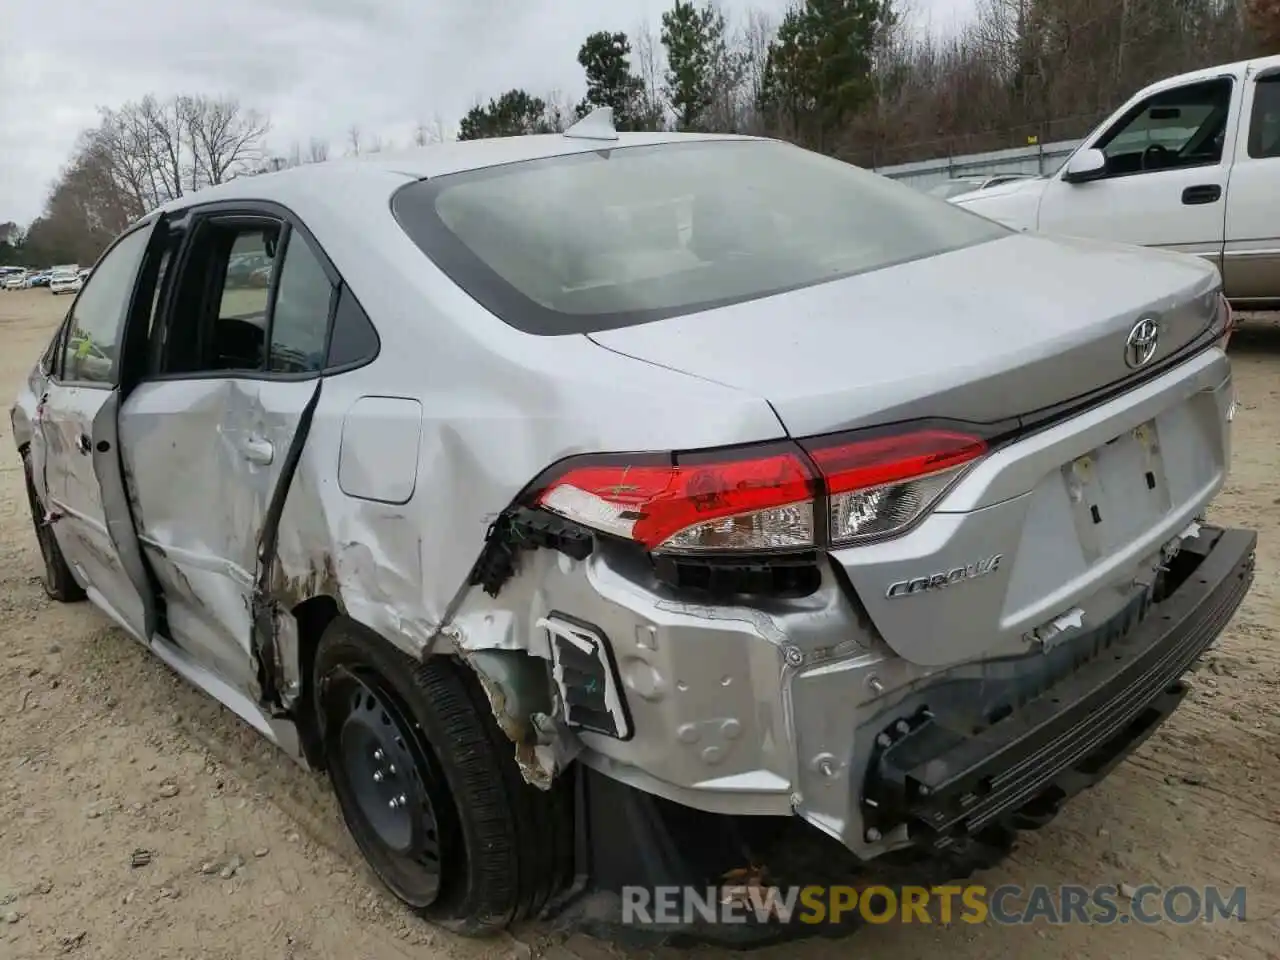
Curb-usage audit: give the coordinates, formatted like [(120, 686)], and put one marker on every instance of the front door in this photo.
[(84, 481), (1251, 260), (206, 433), (1166, 176)]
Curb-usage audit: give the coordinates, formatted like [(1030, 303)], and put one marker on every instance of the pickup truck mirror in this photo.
[(1084, 166)]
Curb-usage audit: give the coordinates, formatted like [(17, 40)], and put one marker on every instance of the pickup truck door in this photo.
[(1168, 160), (1251, 258)]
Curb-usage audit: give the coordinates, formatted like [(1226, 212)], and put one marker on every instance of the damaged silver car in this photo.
[(604, 510)]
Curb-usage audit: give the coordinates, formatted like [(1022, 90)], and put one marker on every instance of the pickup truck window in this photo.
[(1264, 123), (1183, 127)]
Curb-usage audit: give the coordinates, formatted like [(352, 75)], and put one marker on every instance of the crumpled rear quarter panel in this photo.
[(498, 407)]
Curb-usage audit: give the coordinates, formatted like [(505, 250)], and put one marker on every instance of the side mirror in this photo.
[(1085, 165)]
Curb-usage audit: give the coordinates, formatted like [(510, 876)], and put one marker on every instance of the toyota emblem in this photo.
[(1141, 345)]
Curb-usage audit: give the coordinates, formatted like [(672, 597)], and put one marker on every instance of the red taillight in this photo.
[(763, 499), (891, 459), (879, 486), (757, 500)]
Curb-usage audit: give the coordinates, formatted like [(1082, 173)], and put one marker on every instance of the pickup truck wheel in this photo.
[(429, 787), (58, 581)]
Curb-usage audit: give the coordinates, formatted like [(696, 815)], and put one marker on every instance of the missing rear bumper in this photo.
[(943, 783)]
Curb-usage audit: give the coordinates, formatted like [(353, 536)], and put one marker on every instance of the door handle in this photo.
[(1202, 193), (257, 450), (83, 443)]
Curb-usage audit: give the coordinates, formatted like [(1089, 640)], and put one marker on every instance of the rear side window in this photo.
[(300, 322), (600, 240), (97, 318), (1264, 123)]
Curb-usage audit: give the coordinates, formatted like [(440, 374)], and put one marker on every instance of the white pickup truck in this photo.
[(1191, 163)]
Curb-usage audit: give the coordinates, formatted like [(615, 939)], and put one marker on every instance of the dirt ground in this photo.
[(103, 752)]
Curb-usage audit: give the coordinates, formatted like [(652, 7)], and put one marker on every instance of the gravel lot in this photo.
[(103, 752)]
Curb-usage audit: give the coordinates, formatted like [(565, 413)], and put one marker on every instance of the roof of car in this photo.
[(433, 160), (1256, 65)]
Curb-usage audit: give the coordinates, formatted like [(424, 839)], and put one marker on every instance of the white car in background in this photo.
[(16, 281), (963, 186), (65, 279)]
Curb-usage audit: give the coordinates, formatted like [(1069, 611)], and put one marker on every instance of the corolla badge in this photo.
[(1141, 344), (944, 578)]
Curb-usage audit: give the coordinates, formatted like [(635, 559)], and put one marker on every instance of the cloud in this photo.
[(315, 66)]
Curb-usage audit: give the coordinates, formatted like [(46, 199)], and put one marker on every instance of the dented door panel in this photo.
[(93, 514), (203, 457)]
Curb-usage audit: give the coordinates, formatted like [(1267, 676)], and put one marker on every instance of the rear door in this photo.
[(205, 435), (1251, 260), (84, 477), (1168, 159)]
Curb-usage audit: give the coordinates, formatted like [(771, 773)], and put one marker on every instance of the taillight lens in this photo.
[(764, 499), (879, 486), (761, 500)]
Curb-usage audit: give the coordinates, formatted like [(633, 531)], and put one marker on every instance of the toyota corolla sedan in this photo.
[(609, 509)]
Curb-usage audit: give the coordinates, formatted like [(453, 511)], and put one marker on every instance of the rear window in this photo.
[(606, 239)]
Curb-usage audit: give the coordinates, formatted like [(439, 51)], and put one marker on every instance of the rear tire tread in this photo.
[(514, 835)]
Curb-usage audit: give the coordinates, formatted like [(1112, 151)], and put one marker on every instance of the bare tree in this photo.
[(754, 39), (353, 140), (225, 138), (434, 131), (317, 150), (649, 64), (560, 115), (1264, 17), (161, 149)]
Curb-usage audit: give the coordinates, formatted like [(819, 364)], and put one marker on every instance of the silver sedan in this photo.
[(605, 511)]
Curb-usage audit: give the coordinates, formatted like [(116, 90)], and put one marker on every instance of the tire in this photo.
[(58, 581), (502, 848)]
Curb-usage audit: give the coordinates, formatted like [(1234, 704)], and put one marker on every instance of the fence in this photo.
[(1040, 159)]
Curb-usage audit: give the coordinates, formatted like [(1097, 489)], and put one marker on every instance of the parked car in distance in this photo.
[(578, 517), (1189, 164), (65, 279), (38, 279), (251, 269), (958, 186), (16, 280)]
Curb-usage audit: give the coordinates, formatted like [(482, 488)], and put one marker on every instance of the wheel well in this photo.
[(313, 616), (517, 678)]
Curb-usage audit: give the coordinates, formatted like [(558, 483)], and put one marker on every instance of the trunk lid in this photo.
[(985, 333), (1046, 538)]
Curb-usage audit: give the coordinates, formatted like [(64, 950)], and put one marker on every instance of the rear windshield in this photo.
[(600, 240)]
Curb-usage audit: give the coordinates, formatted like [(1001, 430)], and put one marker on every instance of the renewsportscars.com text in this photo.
[(973, 903)]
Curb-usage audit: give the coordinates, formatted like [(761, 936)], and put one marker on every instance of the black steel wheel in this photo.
[(429, 788), (388, 783), (58, 581)]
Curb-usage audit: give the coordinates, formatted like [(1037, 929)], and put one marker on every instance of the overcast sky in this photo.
[(315, 66)]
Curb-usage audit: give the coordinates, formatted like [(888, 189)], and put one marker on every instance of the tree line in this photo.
[(859, 79)]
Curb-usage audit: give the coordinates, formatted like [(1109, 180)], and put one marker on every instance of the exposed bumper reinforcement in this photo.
[(945, 784)]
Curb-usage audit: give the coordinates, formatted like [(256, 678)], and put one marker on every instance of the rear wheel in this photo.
[(429, 787), (59, 583)]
